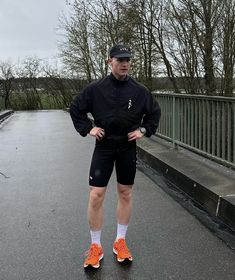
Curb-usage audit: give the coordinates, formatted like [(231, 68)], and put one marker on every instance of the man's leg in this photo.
[(95, 207), (125, 170), (124, 207), (100, 172), (124, 210), (95, 220)]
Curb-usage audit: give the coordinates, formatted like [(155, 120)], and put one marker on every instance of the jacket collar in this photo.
[(112, 77)]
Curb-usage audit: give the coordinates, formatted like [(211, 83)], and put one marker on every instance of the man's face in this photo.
[(120, 66)]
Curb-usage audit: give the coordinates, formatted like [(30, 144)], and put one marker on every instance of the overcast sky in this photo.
[(28, 28)]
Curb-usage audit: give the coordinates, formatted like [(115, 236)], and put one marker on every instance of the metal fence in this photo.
[(203, 124)]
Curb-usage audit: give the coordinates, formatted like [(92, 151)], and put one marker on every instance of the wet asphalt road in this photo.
[(43, 198)]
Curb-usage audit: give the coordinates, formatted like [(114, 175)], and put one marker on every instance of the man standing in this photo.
[(123, 111)]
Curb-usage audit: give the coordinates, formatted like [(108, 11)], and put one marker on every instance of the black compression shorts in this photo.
[(108, 153)]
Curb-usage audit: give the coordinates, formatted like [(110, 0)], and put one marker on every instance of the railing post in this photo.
[(1, 102), (173, 122), (233, 132)]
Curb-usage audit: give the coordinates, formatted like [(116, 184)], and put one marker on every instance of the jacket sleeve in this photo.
[(78, 111), (152, 115)]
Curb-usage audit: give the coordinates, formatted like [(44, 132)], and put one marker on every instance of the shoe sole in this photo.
[(122, 260), (95, 265)]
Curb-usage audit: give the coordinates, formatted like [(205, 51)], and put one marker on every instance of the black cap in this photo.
[(120, 51)]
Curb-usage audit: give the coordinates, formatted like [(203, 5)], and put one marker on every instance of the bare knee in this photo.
[(125, 193), (96, 197)]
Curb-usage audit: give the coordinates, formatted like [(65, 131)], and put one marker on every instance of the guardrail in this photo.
[(203, 124)]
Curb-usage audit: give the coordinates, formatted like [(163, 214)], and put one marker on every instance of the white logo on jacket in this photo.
[(129, 104)]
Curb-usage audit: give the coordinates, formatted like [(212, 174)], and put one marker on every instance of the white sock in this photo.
[(95, 236), (121, 231)]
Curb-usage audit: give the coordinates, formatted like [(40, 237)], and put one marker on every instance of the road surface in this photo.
[(43, 198)]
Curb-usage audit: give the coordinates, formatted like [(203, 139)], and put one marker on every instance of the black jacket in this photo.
[(117, 106)]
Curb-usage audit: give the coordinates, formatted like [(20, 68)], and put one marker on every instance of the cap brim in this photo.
[(123, 55)]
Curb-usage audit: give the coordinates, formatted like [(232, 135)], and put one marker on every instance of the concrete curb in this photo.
[(5, 114), (209, 184)]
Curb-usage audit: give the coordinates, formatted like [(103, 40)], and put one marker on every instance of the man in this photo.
[(123, 111)]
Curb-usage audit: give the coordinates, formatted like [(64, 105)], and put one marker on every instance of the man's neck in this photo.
[(118, 77)]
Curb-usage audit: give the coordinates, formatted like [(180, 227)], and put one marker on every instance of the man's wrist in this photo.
[(142, 130)]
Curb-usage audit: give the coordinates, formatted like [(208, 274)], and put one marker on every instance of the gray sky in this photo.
[(28, 28)]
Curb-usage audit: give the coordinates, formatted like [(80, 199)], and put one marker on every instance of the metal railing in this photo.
[(203, 124)]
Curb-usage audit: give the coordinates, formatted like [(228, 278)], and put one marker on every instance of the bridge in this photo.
[(182, 224)]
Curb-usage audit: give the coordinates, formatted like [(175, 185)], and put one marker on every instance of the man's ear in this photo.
[(109, 61)]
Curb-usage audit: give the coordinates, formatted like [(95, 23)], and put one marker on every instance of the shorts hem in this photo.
[(98, 186), (126, 184)]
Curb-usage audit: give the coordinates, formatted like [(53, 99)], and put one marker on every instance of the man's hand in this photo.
[(133, 135), (97, 132)]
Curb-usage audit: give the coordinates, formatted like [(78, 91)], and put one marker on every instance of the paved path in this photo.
[(43, 197)]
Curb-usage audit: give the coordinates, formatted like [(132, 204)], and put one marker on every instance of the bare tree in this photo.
[(58, 89), (188, 39), (75, 48), (140, 38), (227, 47), (151, 19), (6, 77), (184, 49), (27, 85), (91, 29), (204, 16), (96, 25), (78, 48)]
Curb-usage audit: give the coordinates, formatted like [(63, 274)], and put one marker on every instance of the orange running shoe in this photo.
[(121, 250), (94, 255)]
